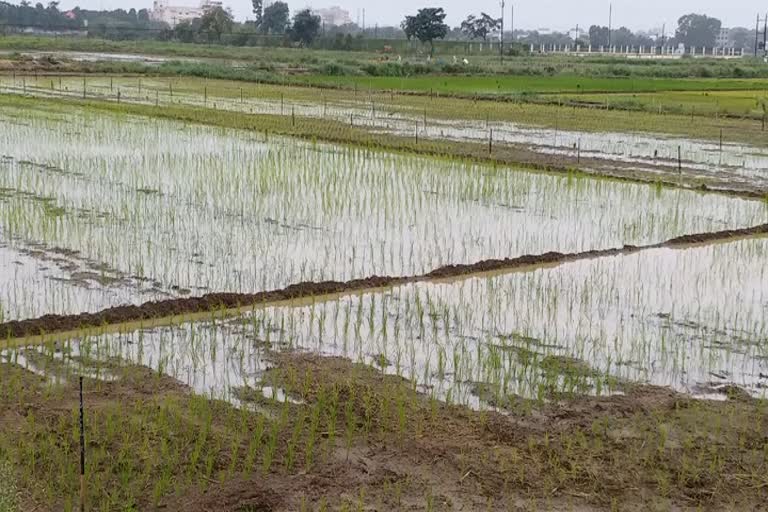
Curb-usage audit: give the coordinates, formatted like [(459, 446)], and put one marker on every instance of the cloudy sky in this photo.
[(530, 14)]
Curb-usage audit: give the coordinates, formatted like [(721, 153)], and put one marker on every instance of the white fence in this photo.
[(641, 51)]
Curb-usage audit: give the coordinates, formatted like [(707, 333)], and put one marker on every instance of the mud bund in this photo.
[(50, 324)]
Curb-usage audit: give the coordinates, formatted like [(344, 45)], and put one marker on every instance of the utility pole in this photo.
[(757, 33), (512, 22), (610, 25), (765, 35), (501, 36)]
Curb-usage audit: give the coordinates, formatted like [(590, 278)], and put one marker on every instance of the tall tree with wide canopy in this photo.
[(480, 27), (276, 18), (305, 27), (217, 21), (426, 26), (698, 30)]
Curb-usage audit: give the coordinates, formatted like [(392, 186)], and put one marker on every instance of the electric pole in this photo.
[(757, 33), (512, 22), (501, 36), (610, 25)]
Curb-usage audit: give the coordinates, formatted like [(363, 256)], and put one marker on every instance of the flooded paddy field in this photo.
[(161, 209), (425, 385), (594, 326), (269, 323), (725, 154)]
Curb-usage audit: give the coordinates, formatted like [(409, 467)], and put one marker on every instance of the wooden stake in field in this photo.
[(679, 160), (293, 116), (84, 86), (82, 449), (721, 141), (205, 96), (490, 141), (241, 95)]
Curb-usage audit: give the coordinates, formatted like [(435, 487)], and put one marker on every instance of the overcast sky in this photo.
[(529, 14)]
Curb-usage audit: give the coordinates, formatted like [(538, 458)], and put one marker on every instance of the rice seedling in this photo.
[(104, 209), (154, 209)]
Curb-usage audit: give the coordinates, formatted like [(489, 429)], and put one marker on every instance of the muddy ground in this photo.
[(222, 301), (384, 447)]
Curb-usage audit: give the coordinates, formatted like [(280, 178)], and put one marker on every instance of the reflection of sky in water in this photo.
[(672, 317), (191, 208), (738, 163)]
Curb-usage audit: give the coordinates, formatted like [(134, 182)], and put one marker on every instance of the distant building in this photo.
[(333, 16), (723, 38), (175, 14)]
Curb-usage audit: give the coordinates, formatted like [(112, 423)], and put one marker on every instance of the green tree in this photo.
[(480, 28), (258, 10), (186, 31), (598, 36), (216, 20), (741, 38), (276, 18), (426, 26), (409, 27), (305, 28), (698, 30)]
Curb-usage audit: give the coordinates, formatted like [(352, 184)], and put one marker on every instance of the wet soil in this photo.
[(650, 449), (222, 301)]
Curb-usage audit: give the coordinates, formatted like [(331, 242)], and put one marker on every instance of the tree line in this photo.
[(274, 20), (304, 27)]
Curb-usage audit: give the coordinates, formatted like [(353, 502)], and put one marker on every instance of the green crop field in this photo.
[(468, 85), (290, 279)]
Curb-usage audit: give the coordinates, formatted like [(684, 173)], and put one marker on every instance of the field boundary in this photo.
[(39, 330)]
